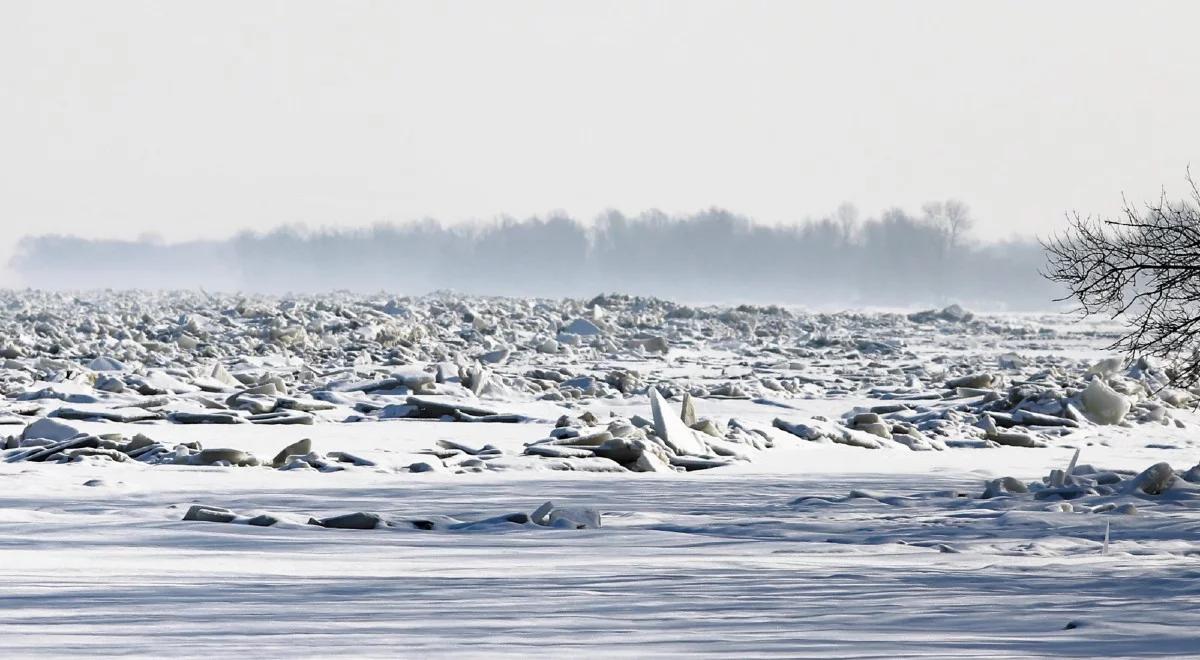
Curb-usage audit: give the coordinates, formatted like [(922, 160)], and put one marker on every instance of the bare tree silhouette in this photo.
[(952, 217), (1144, 268)]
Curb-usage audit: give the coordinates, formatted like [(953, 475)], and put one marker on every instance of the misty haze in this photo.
[(896, 260)]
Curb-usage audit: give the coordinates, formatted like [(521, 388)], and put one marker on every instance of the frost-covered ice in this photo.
[(621, 476)]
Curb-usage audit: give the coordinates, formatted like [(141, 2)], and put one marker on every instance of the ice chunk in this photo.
[(1154, 480), (670, 428), (104, 363), (583, 327), (50, 429), (1104, 405), (204, 513), (298, 448)]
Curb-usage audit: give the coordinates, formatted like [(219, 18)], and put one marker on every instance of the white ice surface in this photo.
[(717, 562)]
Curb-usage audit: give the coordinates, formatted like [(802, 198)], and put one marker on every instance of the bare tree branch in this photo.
[(1144, 268)]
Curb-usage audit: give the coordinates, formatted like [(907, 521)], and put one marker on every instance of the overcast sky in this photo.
[(204, 118)]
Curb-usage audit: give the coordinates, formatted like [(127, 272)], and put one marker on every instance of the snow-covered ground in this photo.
[(746, 540)]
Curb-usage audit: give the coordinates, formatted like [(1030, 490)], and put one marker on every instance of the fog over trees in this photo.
[(841, 260)]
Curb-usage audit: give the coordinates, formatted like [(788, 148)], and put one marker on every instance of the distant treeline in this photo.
[(714, 256)]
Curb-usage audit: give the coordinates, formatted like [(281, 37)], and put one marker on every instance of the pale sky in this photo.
[(189, 119)]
